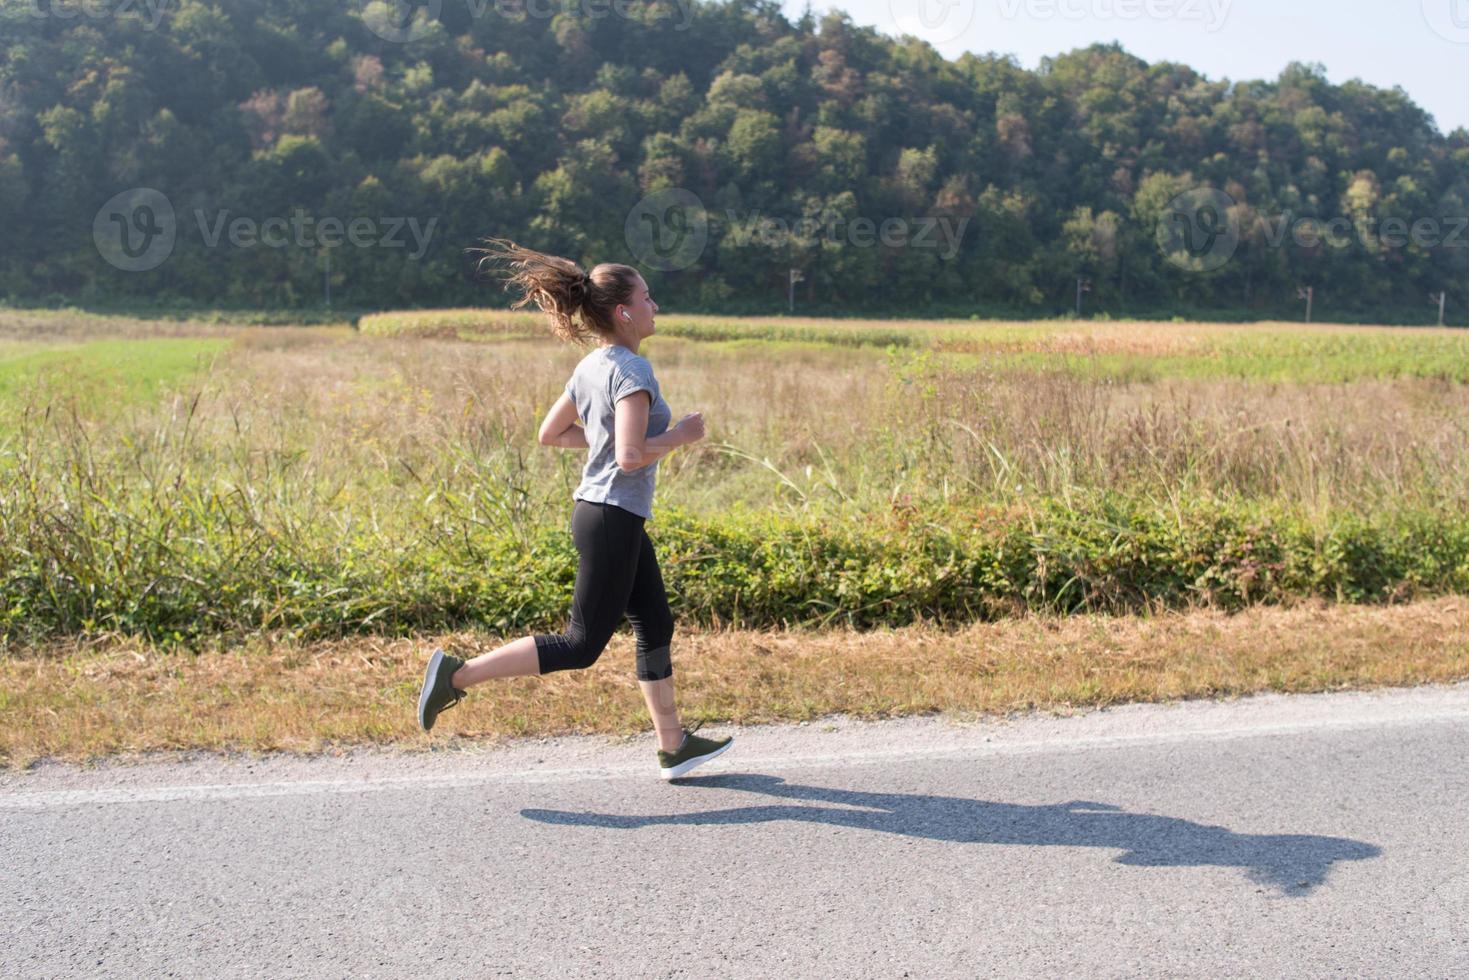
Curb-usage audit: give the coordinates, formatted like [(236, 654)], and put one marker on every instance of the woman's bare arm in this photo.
[(634, 447), (560, 427)]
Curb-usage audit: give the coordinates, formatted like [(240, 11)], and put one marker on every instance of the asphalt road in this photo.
[(1278, 836)]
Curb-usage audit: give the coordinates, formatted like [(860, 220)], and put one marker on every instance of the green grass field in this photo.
[(1132, 351), (103, 373)]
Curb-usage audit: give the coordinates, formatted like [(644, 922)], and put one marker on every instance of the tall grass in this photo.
[(325, 484)]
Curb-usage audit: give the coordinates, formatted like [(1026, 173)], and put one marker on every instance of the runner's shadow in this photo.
[(1293, 863)]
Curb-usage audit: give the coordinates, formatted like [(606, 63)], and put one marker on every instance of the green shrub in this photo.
[(186, 563)]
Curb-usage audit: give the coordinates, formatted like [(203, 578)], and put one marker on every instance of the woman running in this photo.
[(625, 432)]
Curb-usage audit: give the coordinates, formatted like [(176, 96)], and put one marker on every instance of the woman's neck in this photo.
[(631, 345)]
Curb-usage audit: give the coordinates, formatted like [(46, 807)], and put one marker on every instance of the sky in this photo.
[(1421, 45)]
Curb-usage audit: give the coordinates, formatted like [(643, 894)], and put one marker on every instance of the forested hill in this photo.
[(989, 188)]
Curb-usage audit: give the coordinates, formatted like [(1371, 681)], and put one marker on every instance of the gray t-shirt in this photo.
[(604, 377)]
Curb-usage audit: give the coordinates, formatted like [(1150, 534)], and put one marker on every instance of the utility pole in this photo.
[(1082, 286), (1307, 293), (796, 276), (1441, 298)]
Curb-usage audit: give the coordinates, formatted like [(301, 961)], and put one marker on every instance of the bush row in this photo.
[(210, 568)]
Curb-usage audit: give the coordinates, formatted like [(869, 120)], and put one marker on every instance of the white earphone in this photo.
[(626, 317)]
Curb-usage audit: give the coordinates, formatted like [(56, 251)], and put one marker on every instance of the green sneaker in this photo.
[(438, 693), (694, 751)]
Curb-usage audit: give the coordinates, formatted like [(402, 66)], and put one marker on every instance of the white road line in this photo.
[(23, 800)]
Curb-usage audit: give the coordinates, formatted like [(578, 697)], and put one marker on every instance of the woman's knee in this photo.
[(584, 656), (573, 651), (653, 626), (660, 630)]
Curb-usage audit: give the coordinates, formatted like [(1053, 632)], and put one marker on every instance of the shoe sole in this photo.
[(684, 767), (434, 663)]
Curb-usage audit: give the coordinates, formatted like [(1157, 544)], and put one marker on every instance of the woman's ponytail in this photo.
[(579, 303)]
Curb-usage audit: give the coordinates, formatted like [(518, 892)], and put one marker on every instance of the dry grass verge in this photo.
[(79, 702)]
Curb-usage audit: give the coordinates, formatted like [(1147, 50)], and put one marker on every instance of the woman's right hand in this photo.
[(691, 427)]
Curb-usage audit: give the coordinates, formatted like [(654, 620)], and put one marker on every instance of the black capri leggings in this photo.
[(618, 573)]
